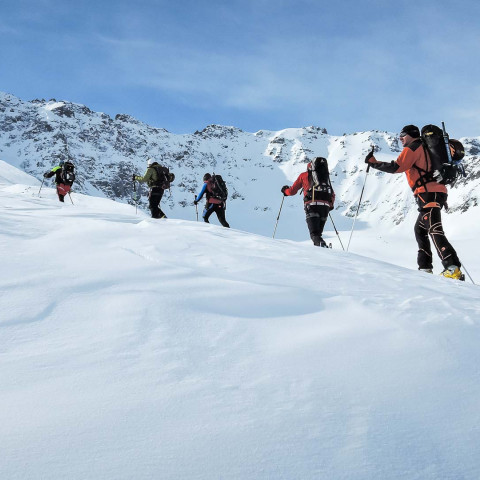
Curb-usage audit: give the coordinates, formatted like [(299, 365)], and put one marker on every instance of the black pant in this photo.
[(429, 223), (316, 217), (219, 209), (154, 197)]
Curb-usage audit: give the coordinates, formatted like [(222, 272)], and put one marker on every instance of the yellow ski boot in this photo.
[(453, 272)]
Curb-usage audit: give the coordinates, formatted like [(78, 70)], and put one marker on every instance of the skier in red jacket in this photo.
[(318, 197)]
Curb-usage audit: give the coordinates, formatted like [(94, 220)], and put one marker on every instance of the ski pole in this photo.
[(41, 186), (359, 203), (466, 271), (336, 231), (135, 195), (278, 216), (70, 198), (196, 210)]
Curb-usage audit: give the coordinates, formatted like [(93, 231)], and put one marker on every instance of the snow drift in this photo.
[(138, 348)]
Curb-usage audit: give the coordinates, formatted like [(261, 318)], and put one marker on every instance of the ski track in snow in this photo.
[(136, 348)]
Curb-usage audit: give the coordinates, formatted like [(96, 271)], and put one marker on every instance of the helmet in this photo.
[(206, 177), (61, 162), (149, 161)]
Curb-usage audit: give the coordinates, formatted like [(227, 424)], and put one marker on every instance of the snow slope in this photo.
[(135, 348)]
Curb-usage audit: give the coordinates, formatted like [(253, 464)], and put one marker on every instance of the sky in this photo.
[(346, 66)]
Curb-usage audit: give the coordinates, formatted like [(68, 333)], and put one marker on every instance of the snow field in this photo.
[(137, 348)]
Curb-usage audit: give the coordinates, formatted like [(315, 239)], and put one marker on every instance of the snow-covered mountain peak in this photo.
[(36, 135)]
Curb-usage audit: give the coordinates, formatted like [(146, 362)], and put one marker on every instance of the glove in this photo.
[(195, 202), (284, 188), (45, 175), (369, 156), (133, 177)]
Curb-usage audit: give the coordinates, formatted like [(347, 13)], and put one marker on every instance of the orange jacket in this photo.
[(413, 155)]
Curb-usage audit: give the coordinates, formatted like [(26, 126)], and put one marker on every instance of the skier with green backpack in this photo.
[(158, 179)]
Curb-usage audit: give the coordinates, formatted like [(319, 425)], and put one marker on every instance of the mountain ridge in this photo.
[(35, 135)]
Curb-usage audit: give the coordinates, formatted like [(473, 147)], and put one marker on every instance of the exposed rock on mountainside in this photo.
[(36, 135)]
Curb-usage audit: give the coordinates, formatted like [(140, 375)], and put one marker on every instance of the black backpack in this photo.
[(219, 188), (68, 173), (319, 181), (445, 166), (164, 177)]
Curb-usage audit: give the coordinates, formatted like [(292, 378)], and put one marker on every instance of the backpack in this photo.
[(67, 174), (319, 181), (219, 188), (164, 177), (445, 156)]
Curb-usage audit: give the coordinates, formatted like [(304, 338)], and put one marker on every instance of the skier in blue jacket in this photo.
[(213, 204)]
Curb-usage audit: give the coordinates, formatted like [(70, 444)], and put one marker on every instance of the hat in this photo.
[(149, 161), (206, 177), (411, 130), (458, 149)]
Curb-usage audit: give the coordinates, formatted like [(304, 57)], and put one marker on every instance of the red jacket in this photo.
[(302, 182)]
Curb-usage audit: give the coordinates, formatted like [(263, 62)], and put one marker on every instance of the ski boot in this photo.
[(453, 272), (426, 270)]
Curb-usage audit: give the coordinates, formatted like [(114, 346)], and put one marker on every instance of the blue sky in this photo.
[(255, 64)]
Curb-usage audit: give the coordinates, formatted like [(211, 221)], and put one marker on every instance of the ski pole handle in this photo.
[(372, 152)]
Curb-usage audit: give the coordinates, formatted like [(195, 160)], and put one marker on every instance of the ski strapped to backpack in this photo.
[(68, 173), (219, 188), (319, 180), (164, 176), (445, 156)]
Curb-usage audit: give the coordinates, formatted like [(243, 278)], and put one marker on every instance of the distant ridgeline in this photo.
[(35, 135)]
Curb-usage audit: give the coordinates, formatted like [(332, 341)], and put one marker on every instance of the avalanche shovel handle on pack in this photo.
[(446, 139)]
